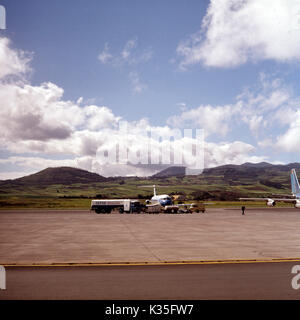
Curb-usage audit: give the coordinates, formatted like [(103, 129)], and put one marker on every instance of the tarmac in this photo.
[(169, 282), (79, 236)]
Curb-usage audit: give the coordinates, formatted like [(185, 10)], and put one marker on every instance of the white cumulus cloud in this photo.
[(236, 31), (213, 119), (12, 62)]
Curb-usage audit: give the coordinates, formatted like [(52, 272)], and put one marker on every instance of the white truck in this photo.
[(123, 205)]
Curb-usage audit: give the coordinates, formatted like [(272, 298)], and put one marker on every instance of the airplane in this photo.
[(162, 199), (294, 197)]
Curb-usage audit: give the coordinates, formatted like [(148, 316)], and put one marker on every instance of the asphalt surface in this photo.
[(217, 281), (80, 236)]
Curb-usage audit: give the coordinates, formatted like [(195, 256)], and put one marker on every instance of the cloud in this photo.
[(271, 113), (12, 62), (213, 119), (37, 162), (105, 56), (127, 51), (234, 32), (39, 113), (268, 111), (137, 85), (36, 120), (130, 55), (236, 152), (290, 140), (130, 58), (14, 174), (29, 165)]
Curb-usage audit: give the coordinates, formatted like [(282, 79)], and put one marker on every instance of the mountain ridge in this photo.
[(70, 175), (57, 175)]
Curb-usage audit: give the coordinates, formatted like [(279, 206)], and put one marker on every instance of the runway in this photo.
[(72, 237), (79, 236), (212, 281)]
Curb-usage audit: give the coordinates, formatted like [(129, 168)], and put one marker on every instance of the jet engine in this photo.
[(297, 204), (272, 203)]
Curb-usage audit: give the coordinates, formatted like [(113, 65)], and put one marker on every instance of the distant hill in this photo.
[(58, 175), (266, 174), (250, 170), (170, 172), (231, 171), (257, 165), (235, 181)]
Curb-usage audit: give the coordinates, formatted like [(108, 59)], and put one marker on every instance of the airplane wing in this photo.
[(268, 199)]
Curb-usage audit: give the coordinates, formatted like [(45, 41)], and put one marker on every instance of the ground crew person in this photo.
[(243, 210)]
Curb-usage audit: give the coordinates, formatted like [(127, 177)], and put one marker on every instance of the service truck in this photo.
[(122, 205)]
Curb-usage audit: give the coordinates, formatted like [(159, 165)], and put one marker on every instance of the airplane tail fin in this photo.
[(154, 190), (295, 183)]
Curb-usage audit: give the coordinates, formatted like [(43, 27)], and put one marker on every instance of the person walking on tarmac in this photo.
[(243, 210)]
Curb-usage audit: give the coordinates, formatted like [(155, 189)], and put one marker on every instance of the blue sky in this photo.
[(67, 36), (154, 60)]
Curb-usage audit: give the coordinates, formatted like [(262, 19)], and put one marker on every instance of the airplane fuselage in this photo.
[(162, 199)]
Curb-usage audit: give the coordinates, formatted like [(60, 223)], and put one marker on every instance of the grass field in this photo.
[(80, 195)]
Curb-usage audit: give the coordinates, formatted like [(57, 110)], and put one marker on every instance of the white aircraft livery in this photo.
[(162, 199), (294, 197)]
